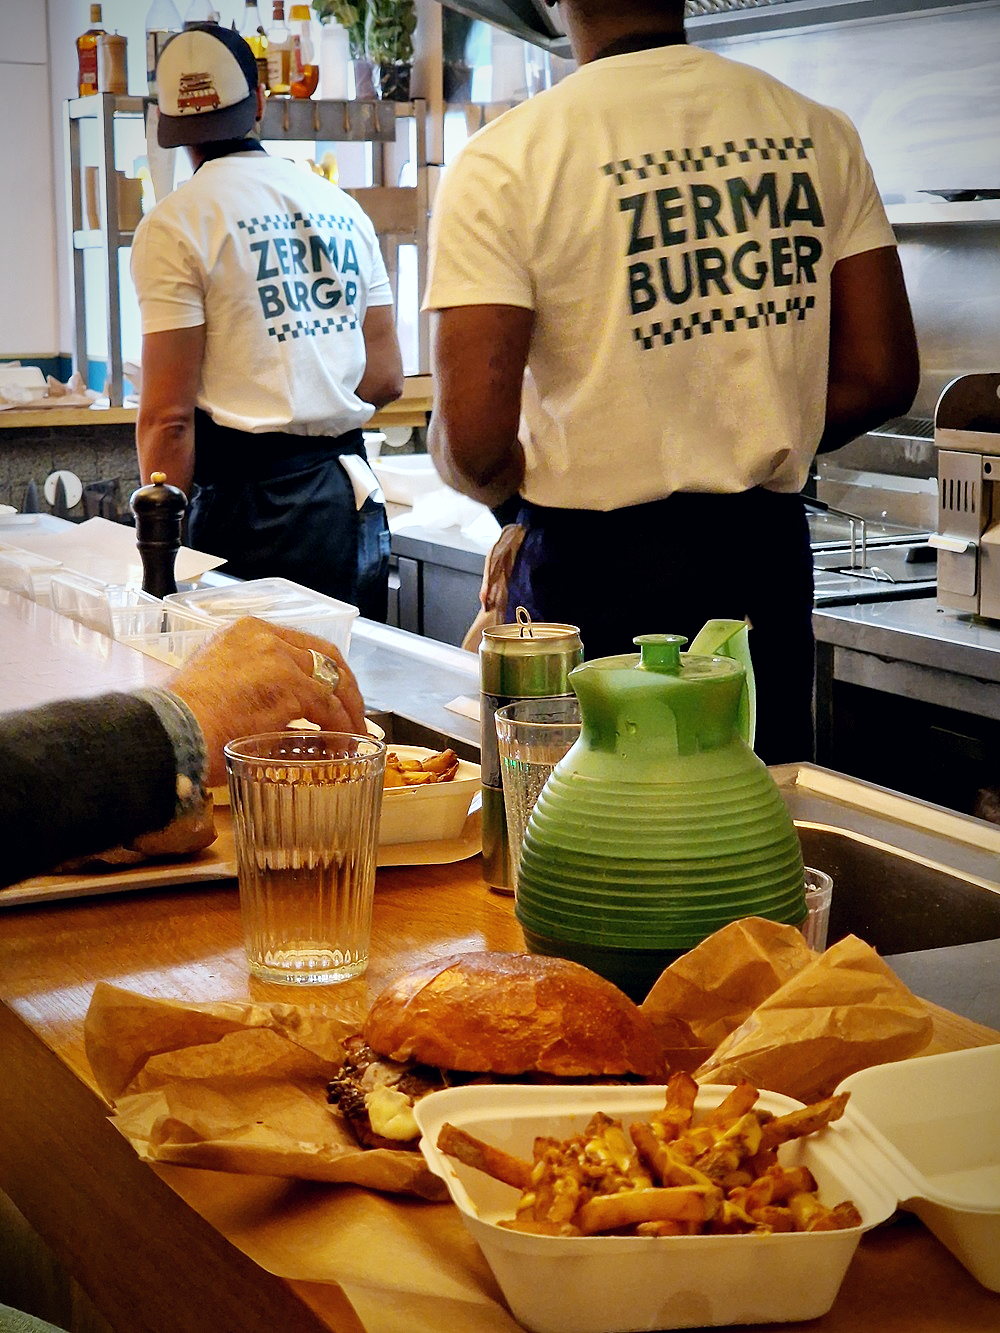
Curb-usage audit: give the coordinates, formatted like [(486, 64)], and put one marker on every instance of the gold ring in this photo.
[(325, 669)]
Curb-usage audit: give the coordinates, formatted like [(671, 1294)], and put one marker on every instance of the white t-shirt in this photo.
[(281, 267), (672, 218)]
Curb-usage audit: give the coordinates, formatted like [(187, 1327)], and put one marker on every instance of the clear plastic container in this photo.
[(106, 607), (173, 646), (279, 601), (26, 573)]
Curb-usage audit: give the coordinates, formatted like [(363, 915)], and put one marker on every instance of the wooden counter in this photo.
[(412, 409), (172, 1249)]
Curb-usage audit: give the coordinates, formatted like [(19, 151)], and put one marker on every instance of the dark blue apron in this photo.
[(670, 565), (280, 505)]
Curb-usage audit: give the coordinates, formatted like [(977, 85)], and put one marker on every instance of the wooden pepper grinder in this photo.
[(159, 512)]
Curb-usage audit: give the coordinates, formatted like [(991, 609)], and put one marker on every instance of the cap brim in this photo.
[(231, 122)]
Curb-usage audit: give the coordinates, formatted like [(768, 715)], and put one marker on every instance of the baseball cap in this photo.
[(206, 79)]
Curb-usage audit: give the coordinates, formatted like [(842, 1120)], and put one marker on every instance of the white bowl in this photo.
[(623, 1284), (406, 478), (429, 812)]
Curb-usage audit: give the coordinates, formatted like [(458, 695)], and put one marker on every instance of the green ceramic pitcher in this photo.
[(660, 825)]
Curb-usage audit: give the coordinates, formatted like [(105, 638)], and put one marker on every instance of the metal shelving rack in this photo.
[(105, 109), (400, 214)]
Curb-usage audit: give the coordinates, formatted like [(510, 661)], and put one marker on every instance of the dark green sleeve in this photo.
[(80, 776)]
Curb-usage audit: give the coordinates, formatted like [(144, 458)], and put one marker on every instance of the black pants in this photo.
[(670, 565), (272, 513)]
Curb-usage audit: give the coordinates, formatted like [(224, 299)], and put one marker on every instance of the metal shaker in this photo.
[(520, 661)]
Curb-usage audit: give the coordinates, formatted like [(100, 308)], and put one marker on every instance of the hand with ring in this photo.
[(254, 677), (325, 669)]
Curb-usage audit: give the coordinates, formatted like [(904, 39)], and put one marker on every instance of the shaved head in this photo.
[(592, 24)]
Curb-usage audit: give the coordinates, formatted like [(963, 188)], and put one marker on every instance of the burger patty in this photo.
[(361, 1077), (368, 1082)]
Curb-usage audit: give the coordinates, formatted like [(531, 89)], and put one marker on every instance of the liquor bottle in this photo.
[(305, 76), (253, 34), (162, 22), (200, 11), (279, 53), (302, 48), (86, 54)]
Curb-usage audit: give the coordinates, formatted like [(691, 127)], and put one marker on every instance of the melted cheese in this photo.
[(391, 1113)]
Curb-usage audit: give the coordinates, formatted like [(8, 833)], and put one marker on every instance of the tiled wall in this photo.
[(95, 453)]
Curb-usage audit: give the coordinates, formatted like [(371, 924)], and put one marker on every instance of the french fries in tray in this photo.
[(440, 767), (668, 1176)]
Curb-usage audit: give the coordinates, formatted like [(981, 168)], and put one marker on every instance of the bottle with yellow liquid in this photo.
[(86, 54), (279, 53), (253, 34)]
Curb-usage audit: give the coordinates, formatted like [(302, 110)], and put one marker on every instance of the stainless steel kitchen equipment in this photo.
[(967, 540), (858, 559)]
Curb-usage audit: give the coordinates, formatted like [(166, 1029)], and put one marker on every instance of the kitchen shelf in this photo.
[(941, 213), (106, 109), (400, 214)]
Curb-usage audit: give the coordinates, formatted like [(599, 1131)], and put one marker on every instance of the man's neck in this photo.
[(590, 38)]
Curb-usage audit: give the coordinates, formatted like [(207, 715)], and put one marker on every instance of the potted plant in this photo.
[(352, 15), (389, 42)]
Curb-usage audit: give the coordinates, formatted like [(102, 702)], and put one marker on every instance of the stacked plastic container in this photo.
[(279, 601)]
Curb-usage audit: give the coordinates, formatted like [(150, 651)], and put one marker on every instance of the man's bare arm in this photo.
[(382, 381), (478, 358), (164, 428), (874, 365)]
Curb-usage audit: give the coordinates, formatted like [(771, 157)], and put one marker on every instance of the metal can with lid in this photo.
[(524, 660)]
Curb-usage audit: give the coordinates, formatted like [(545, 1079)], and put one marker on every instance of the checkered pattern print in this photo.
[(312, 328), (672, 162), (271, 223), (683, 328)]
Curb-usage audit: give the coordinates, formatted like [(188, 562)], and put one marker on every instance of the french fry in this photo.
[(797, 1124), (670, 1175), (679, 1107), (679, 1203), (741, 1100), (484, 1157), (441, 767)]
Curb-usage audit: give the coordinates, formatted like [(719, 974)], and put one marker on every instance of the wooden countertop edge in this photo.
[(409, 410), (68, 1122)]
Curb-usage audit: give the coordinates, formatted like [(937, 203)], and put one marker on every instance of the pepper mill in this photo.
[(159, 512)]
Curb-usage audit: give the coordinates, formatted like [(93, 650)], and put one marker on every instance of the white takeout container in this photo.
[(933, 1124), (940, 1159), (277, 600), (22, 383), (431, 811)]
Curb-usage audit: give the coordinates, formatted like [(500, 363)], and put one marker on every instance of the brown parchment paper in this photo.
[(770, 1010), (236, 1087), (708, 992)]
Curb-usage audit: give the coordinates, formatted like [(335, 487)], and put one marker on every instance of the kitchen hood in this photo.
[(706, 20), (532, 20)]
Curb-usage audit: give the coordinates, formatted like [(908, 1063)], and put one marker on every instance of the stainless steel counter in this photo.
[(914, 649)]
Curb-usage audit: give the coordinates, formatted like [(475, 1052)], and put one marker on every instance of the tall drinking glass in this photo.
[(306, 810), (532, 736)]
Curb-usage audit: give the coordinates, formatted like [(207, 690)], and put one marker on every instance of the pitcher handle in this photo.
[(730, 638)]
